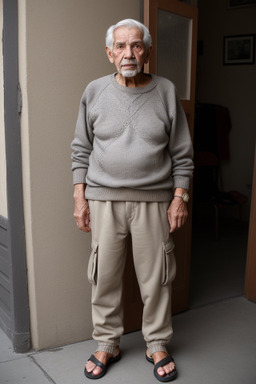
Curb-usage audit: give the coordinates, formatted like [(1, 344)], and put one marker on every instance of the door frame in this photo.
[(18, 327), (250, 281), (182, 238), (150, 20)]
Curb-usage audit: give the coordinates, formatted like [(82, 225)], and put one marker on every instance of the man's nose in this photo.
[(128, 52)]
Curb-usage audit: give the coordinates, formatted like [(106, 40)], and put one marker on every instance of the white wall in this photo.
[(230, 86), (3, 194), (61, 49)]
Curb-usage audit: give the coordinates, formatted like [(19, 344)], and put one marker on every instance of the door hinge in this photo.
[(19, 99)]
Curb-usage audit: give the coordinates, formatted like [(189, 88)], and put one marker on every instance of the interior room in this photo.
[(222, 185)]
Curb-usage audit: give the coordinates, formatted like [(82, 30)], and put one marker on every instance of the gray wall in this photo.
[(61, 49)]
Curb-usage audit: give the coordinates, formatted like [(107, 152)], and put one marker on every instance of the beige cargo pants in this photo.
[(154, 265)]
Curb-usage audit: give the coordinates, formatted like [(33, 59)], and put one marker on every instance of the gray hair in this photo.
[(130, 23)]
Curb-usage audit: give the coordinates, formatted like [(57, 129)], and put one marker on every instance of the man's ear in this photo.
[(109, 55), (148, 55)]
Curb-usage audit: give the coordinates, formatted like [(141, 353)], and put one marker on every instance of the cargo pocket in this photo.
[(93, 264), (169, 262)]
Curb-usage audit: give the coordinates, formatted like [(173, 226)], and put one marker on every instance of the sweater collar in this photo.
[(136, 90)]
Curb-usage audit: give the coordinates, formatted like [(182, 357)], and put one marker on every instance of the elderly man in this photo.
[(132, 163)]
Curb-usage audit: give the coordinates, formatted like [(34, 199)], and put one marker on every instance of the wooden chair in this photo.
[(208, 188)]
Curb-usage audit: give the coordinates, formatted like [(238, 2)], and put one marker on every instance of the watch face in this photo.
[(185, 197)]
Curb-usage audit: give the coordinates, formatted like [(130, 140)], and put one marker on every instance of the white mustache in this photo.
[(132, 61)]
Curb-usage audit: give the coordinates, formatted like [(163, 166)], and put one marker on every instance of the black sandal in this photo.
[(169, 376), (98, 363)]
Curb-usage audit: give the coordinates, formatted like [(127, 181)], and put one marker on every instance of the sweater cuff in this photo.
[(79, 175), (181, 182)]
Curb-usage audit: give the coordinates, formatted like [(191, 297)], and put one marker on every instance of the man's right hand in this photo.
[(81, 211)]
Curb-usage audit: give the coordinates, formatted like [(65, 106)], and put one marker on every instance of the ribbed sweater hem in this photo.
[(127, 194)]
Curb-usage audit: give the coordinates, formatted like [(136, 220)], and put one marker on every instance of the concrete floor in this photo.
[(212, 344), (214, 341)]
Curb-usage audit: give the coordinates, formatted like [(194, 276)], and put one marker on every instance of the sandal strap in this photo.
[(165, 361), (97, 362)]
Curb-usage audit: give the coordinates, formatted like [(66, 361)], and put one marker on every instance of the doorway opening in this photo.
[(218, 263)]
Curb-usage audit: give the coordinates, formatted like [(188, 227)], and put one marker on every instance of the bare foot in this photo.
[(162, 371), (103, 357)]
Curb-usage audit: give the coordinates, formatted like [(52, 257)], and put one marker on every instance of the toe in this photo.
[(89, 366), (97, 371), (169, 368), (161, 371)]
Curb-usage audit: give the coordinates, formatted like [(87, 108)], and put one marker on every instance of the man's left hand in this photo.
[(177, 214)]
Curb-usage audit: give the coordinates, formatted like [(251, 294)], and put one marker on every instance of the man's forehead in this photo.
[(124, 33)]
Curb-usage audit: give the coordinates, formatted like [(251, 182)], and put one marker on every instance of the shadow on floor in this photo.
[(217, 265)]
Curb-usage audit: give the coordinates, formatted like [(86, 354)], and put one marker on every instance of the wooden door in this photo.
[(250, 280), (173, 26), (171, 23)]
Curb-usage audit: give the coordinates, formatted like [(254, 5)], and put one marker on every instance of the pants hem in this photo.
[(107, 347), (156, 347)]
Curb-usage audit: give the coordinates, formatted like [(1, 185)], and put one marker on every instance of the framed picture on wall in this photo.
[(239, 49), (241, 3)]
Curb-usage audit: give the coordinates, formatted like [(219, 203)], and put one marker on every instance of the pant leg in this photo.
[(105, 270), (155, 268)]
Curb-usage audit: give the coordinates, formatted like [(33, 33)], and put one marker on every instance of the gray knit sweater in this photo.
[(131, 144)]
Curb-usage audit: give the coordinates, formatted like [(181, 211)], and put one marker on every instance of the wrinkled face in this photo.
[(128, 53)]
